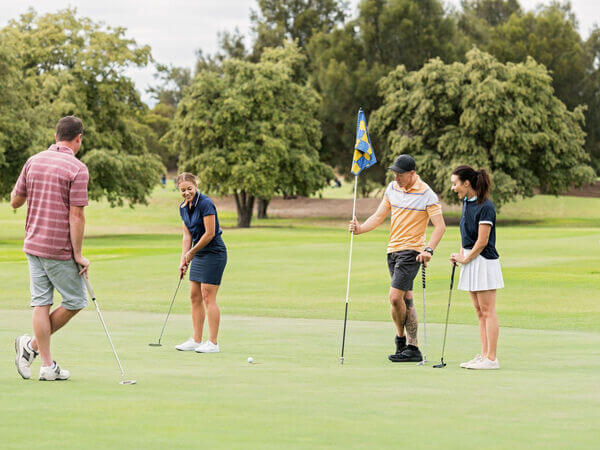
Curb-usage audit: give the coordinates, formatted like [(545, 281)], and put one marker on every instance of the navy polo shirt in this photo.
[(474, 214), (193, 218)]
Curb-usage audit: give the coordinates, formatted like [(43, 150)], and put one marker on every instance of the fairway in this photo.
[(282, 301)]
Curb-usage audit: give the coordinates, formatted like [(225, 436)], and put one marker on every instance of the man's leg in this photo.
[(44, 325), (411, 322), (398, 310)]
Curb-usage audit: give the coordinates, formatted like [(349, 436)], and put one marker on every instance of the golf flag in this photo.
[(364, 157)]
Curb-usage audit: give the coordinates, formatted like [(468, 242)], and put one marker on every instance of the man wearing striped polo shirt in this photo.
[(54, 185), (412, 204)]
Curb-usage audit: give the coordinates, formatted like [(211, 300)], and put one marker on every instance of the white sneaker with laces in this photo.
[(208, 347), (189, 345), (465, 365), (485, 364), (53, 373), (25, 356)]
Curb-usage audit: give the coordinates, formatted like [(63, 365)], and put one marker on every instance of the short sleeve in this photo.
[(78, 194), (432, 204), (208, 208), (487, 214), (386, 195), (20, 188)]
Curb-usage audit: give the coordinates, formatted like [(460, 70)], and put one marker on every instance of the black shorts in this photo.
[(403, 267)]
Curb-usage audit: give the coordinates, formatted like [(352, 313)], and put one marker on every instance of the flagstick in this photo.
[(349, 269)]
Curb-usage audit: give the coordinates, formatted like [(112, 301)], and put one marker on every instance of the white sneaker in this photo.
[(485, 364), (189, 345), (53, 372), (25, 356), (208, 347), (465, 365)]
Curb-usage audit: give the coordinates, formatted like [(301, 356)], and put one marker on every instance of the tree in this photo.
[(550, 36), (504, 117), (251, 131), (16, 120), (71, 65), (296, 20), (347, 63)]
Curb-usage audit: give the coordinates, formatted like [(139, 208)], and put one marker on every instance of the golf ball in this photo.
[(250, 359)]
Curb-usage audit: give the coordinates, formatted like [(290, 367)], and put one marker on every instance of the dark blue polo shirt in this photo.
[(193, 218), (474, 214)]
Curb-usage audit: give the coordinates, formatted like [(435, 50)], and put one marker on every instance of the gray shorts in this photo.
[(49, 274), (403, 266)]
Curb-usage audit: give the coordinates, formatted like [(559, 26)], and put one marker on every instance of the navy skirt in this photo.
[(208, 267)]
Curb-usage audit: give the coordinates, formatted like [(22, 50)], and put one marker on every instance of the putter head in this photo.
[(155, 345), (441, 365), (128, 382)]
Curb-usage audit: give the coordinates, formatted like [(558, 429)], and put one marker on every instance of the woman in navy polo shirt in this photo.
[(204, 251), (480, 273)]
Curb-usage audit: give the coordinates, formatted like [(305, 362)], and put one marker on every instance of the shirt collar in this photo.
[(472, 199), (61, 149)]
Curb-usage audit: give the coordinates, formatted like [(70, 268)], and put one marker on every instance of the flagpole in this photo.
[(349, 269)]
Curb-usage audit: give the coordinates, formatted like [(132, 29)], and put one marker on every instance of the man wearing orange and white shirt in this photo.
[(412, 204)]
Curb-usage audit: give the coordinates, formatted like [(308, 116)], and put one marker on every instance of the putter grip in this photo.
[(452, 276), (423, 274)]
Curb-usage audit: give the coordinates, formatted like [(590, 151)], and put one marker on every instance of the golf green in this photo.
[(296, 394), (282, 301)]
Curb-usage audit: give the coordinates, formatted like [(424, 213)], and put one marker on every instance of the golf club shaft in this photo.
[(424, 316), (91, 291), (170, 306), (448, 310), (349, 271)]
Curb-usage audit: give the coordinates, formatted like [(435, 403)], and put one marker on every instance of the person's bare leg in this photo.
[(411, 323), (42, 329), (58, 319), (481, 319), (487, 304), (198, 311), (398, 310), (209, 295)]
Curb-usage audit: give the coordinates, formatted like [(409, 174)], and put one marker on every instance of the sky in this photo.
[(175, 29)]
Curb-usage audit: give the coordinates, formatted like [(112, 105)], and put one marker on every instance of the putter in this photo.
[(158, 344), (91, 291), (442, 363), (422, 363)]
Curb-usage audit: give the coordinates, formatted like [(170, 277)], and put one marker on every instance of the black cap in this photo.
[(403, 163)]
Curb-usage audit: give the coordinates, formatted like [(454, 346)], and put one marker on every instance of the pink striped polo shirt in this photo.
[(53, 181)]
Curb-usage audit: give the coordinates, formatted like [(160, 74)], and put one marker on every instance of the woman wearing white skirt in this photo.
[(480, 273)]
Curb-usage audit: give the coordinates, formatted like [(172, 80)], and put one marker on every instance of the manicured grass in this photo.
[(282, 301), (552, 277), (298, 395)]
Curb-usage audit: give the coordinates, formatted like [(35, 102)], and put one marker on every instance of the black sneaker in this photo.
[(409, 354), (400, 345)]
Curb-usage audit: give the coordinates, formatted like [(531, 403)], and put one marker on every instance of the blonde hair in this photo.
[(186, 176)]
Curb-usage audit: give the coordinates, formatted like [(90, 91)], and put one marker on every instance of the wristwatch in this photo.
[(429, 250)]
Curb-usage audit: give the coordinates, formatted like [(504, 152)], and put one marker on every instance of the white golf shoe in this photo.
[(53, 373), (208, 347), (485, 364), (189, 345), (25, 356), (466, 365)]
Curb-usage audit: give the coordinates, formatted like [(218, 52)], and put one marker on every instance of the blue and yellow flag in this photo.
[(364, 156)]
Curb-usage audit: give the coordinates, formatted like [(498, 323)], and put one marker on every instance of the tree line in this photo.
[(273, 113)]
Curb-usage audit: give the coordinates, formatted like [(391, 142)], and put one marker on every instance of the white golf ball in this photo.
[(250, 359)]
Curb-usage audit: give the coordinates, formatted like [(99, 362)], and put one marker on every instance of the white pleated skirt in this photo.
[(480, 274)]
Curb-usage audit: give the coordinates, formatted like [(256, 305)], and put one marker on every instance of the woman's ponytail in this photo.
[(482, 185)]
